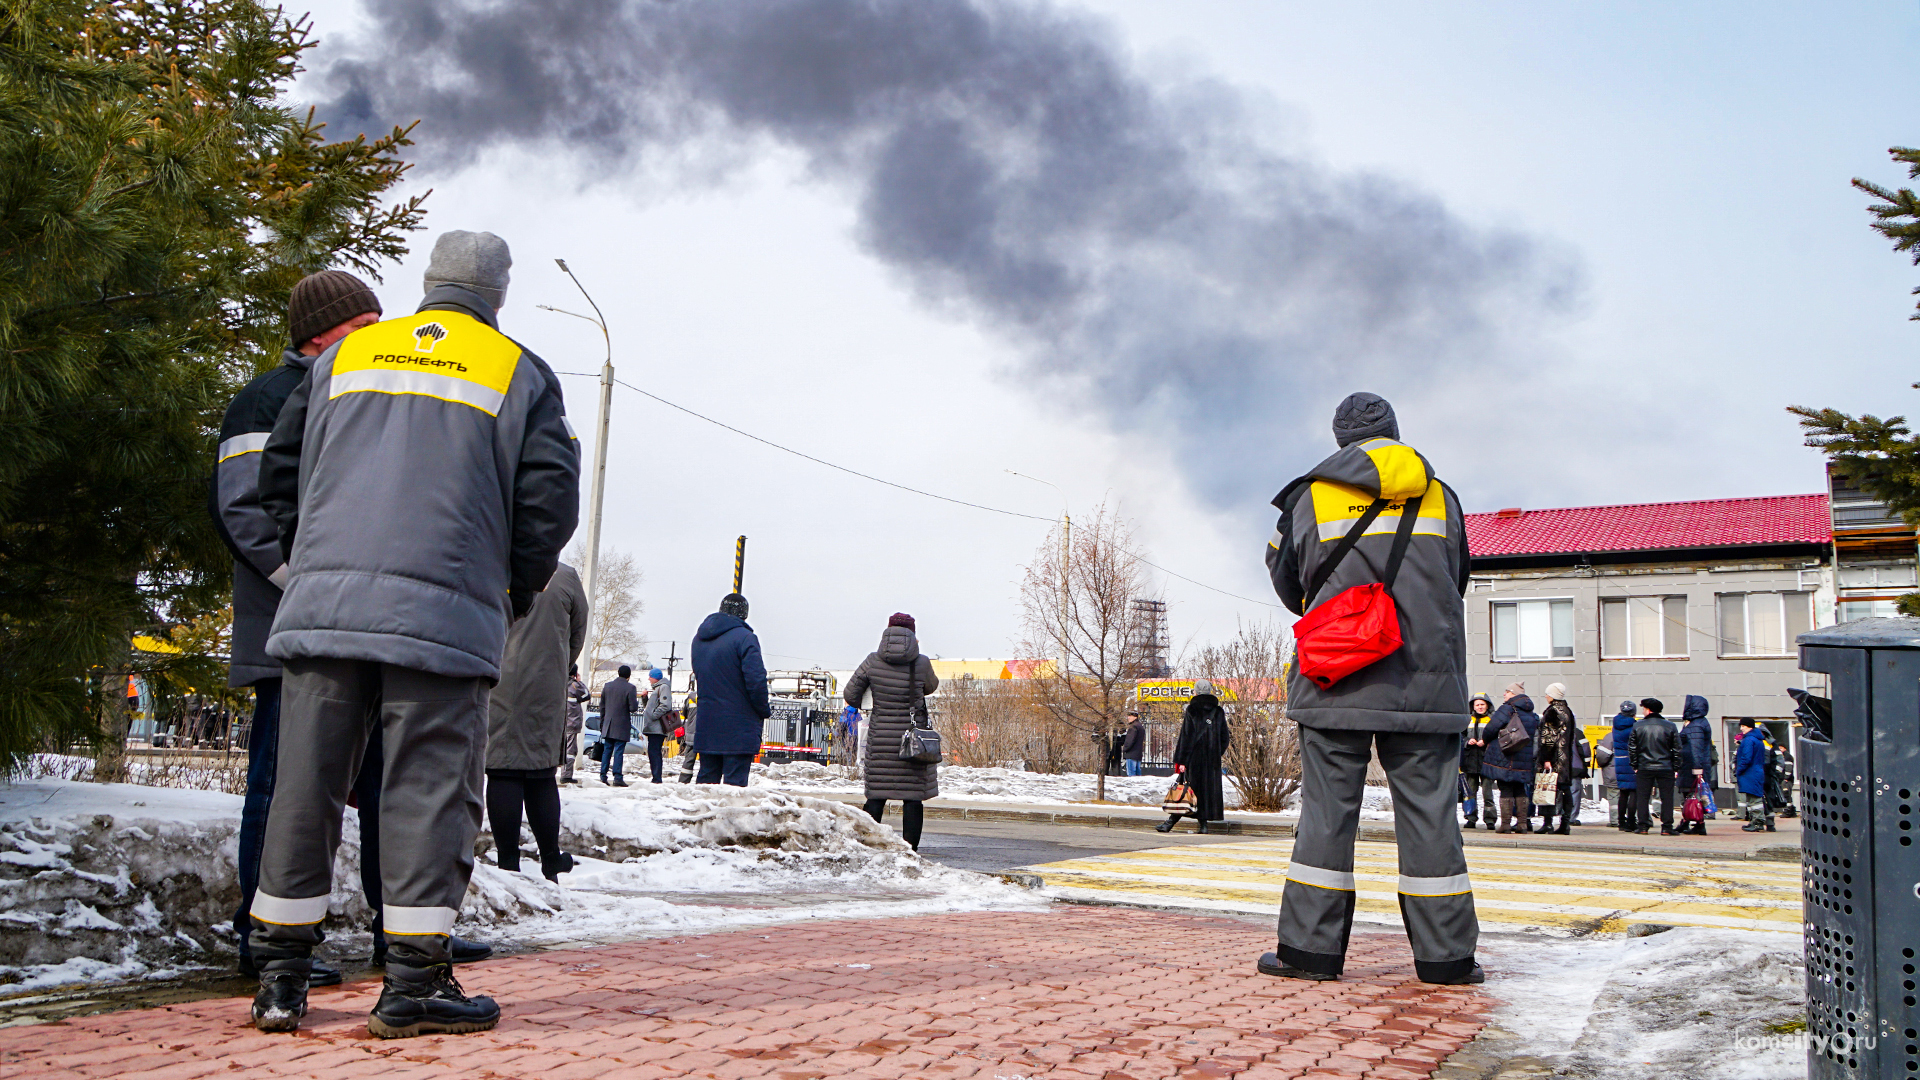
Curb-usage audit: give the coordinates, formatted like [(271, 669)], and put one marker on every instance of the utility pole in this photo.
[(597, 498), (739, 564)]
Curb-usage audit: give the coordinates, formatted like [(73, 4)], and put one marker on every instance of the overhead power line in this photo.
[(891, 484)]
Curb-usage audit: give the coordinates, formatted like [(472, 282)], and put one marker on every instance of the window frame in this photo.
[(1686, 626), (1787, 634), (1493, 630)]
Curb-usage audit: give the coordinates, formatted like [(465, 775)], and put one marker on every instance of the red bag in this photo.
[(1361, 625), (1693, 809)]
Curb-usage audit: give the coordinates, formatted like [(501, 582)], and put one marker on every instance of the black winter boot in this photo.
[(1167, 825), (551, 869), (428, 1001), (1271, 964), (282, 999)]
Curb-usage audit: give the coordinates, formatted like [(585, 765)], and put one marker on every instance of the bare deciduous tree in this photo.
[(1250, 673), (1077, 605), (613, 624)]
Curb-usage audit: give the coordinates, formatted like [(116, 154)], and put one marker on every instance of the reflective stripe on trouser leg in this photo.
[(1316, 905), (325, 709), (431, 805), (1436, 896)]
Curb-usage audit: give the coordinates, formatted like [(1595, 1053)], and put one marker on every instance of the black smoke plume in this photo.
[(1145, 241)]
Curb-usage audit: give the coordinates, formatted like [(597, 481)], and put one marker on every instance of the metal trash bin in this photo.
[(1860, 862)]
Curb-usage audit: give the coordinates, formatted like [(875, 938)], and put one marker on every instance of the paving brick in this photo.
[(1075, 993)]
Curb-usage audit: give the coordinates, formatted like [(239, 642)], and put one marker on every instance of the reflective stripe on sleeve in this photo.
[(250, 443), (1435, 886), (1279, 540), (1340, 880), (568, 424), (417, 920), (424, 383), (281, 911)]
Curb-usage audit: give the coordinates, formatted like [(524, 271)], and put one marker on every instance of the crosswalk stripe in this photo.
[(1554, 890)]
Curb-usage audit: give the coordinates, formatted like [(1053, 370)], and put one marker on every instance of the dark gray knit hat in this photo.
[(324, 300), (1364, 416), (474, 260), (734, 604)]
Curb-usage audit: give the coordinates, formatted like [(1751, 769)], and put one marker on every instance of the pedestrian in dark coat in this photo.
[(527, 724), (733, 694), (1512, 769), (1696, 756), (1624, 778), (1204, 737), (1558, 763), (1133, 746), (900, 679), (619, 700), (1750, 775), (1654, 748), (1479, 795)]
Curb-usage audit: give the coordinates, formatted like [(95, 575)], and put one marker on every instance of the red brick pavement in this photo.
[(1087, 992)]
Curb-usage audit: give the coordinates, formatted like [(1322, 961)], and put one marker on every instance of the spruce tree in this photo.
[(158, 200)]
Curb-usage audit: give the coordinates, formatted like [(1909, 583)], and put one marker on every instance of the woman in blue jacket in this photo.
[(1512, 769), (1629, 806), (1750, 773)]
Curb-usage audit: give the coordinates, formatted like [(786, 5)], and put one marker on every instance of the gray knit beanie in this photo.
[(473, 260), (1364, 416)]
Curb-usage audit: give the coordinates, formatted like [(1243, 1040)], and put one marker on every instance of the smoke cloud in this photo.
[(1149, 243)]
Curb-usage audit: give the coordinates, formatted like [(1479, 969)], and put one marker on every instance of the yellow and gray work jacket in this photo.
[(424, 480), (1423, 685)]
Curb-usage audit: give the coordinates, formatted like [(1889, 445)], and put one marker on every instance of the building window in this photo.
[(1643, 627), (1883, 608), (1532, 630), (1763, 624), (1893, 576)]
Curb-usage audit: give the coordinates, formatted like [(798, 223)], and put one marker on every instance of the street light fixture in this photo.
[(599, 489)]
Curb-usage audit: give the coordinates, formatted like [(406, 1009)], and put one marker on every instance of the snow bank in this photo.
[(114, 881), (1689, 1002), (959, 783)]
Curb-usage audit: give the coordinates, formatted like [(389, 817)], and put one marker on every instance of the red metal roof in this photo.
[(1773, 519)]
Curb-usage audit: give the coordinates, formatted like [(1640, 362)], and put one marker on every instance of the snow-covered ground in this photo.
[(1686, 1003), (103, 882), (966, 784)]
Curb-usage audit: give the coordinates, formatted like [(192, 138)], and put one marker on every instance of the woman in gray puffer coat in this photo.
[(900, 679)]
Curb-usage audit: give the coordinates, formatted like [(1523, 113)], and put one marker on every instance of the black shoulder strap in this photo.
[(1402, 536), (1409, 514), (1321, 575)]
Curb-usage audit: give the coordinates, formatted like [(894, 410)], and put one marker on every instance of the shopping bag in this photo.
[(1545, 792), (1179, 799)]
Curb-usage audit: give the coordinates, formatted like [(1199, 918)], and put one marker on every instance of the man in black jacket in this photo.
[(322, 309), (1133, 745), (1653, 749)]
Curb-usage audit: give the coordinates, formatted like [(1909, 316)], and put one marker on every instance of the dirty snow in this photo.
[(107, 882), (1690, 1002), (961, 784)]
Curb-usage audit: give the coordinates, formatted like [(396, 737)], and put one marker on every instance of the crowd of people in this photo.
[(1517, 765)]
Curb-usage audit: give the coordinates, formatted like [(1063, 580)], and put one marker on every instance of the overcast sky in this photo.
[(1626, 235)]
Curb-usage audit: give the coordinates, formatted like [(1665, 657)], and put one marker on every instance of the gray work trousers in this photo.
[(569, 748), (434, 732), (1486, 796), (1436, 898)]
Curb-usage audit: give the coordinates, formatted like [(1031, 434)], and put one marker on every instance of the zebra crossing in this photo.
[(1572, 892)]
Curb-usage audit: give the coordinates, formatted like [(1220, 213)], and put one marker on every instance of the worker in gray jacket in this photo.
[(1372, 514), (527, 723), (424, 480)]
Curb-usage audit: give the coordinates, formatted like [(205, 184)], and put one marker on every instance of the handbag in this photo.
[(1514, 735), (596, 751), (1693, 809), (1179, 799), (1361, 626), (1547, 792), (919, 744)]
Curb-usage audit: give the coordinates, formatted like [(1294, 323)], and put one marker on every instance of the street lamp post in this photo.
[(1066, 548), (597, 497)]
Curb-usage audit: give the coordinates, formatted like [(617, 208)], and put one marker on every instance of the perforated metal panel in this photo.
[(1860, 858)]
